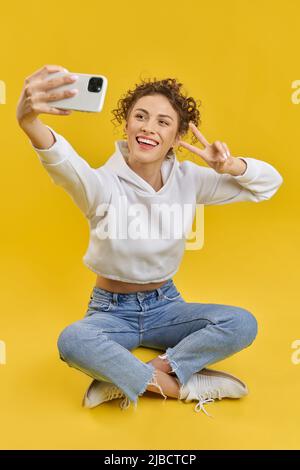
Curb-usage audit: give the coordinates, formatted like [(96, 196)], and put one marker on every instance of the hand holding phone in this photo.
[(90, 95), (44, 87)]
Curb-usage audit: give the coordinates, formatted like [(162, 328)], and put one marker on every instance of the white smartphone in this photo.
[(90, 96)]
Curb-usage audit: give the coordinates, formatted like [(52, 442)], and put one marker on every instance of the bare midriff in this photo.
[(125, 287)]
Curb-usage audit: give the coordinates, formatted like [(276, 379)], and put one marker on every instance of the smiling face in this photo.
[(153, 117)]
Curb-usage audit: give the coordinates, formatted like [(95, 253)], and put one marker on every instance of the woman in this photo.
[(134, 301)]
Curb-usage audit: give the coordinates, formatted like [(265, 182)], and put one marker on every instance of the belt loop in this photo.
[(115, 298), (160, 293)]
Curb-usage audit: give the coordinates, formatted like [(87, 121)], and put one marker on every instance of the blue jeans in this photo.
[(193, 335)]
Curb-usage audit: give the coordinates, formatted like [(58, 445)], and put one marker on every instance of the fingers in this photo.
[(58, 111), (58, 95), (38, 101), (221, 149), (45, 85), (44, 71), (51, 110), (198, 134), (227, 150), (214, 153), (192, 148)]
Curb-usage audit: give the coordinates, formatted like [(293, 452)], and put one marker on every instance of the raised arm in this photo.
[(86, 185), (259, 182), (230, 179), (66, 168)]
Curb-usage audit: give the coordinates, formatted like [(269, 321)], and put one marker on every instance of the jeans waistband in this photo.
[(115, 296)]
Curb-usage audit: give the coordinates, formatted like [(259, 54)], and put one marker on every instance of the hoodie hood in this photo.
[(118, 165)]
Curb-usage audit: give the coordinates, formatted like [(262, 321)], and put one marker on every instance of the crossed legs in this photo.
[(211, 333)]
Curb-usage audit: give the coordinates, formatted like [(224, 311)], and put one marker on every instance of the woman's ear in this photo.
[(176, 142)]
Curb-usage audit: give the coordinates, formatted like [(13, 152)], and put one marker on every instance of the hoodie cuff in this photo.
[(250, 172), (57, 153)]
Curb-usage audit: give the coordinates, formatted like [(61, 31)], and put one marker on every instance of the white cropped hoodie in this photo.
[(106, 196)]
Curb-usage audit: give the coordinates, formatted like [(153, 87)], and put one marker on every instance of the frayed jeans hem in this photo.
[(175, 368), (125, 403)]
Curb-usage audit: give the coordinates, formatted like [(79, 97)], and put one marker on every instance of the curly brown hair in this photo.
[(185, 106)]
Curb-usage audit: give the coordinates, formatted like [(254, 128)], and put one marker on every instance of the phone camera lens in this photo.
[(95, 84)]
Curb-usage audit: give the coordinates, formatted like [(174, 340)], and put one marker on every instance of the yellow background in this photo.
[(240, 58)]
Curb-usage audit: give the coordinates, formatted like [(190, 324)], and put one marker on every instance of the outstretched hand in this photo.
[(216, 155)]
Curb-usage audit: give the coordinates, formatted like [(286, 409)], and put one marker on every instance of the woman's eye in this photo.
[(139, 115)]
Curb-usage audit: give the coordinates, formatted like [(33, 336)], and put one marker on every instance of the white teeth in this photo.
[(147, 141)]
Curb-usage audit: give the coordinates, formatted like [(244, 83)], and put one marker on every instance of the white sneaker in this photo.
[(100, 391), (209, 384)]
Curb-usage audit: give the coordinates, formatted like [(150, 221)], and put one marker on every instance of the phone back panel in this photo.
[(84, 100)]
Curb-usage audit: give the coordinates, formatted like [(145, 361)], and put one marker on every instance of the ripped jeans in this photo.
[(193, 335)]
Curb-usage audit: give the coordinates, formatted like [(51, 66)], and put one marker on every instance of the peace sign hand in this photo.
[(216, 155)]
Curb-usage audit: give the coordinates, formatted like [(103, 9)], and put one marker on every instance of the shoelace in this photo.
[(114, 392), (125, 403), (207, 398)]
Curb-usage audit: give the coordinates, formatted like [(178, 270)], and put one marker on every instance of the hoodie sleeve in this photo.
[(67, 169), (259, 182)]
